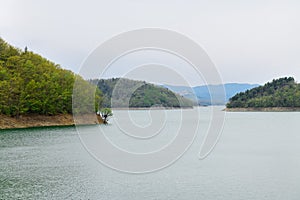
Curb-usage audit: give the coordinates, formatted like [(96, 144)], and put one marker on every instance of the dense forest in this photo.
[(31, 84), (283, 92), (130, 93)]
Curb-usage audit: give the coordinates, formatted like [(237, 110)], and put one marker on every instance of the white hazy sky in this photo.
[(249, 41)]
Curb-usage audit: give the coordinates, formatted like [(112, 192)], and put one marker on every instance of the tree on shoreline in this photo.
[(105, 113)]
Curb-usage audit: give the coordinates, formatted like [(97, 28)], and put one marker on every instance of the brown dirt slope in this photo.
[(44, 120)]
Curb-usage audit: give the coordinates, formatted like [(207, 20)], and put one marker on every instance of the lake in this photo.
[(257, 157)]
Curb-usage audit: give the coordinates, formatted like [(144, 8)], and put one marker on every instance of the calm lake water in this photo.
[(257, 157)]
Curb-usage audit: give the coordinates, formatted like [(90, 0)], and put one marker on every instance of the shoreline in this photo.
[(152, 108), (34, 120), (268, 109)]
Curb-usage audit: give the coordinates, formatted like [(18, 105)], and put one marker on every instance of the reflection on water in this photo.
[(257, 157)]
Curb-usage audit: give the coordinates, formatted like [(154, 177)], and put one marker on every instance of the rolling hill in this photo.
[(283, 92), (122, 93), (33, 85)]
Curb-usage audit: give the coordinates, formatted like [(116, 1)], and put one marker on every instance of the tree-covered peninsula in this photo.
[(31, 84), (280, 93)]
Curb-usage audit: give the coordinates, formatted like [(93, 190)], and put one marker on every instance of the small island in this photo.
[(280, 95)]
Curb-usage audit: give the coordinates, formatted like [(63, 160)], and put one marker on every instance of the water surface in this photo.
[(257, 157)]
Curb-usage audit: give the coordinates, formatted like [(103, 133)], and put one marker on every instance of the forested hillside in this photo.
[(283, 92), (125, 92), (31, 84)]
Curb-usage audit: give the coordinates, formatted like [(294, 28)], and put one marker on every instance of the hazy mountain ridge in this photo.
[(201, 94)]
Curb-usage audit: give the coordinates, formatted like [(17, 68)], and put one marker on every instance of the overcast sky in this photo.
[(249, 41)]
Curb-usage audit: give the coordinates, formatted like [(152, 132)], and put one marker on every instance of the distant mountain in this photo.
[(283, 92), (135, 94), (202, 95)]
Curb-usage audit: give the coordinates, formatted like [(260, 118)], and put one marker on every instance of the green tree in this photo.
[(105, 113)]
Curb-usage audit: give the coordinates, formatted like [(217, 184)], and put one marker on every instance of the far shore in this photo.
[(269, 109), (151, 108), (34, 120)]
